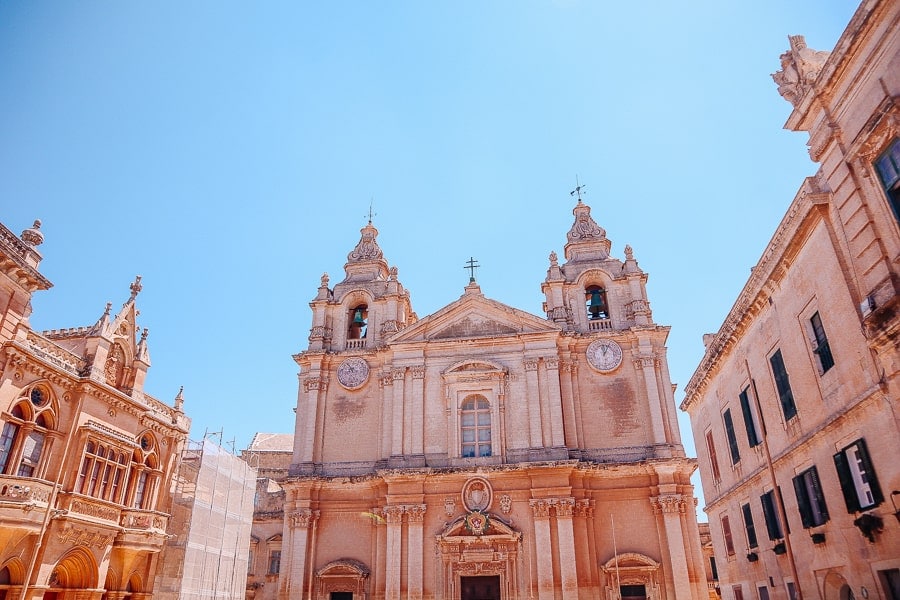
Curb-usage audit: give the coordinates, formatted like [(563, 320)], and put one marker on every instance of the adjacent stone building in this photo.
[(485, 452), (85, 453), (795, 405)]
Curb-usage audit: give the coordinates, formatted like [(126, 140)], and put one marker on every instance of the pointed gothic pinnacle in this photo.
[(135, 287), (179, 398)]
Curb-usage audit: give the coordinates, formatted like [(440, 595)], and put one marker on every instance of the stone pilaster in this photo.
[(415, 517), (565, 532), (314, 388), (393, 515), (300, 523), (542, 548), (647, 364), (399, 412), (673, 507), (532, 392), (418, 410)]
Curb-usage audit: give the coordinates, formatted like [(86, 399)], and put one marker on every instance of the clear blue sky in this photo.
[(228, 152)]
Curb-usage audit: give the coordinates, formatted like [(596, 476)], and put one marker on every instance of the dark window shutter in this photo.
[(803, 502), (732, 438), (783, 384), (871, 478), (846, 480), (768, 506), (748, 524), (752, 434), (820, 496)]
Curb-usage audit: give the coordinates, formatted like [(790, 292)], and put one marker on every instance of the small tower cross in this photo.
[(372, 213), (471, 265), (579, 189)]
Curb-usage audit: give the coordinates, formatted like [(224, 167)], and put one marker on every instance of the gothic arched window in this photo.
[(359, 321), (24, 433), (595, 301), (475, 427)]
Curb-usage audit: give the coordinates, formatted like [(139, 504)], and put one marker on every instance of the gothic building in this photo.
[(85, 454), (485, 452)]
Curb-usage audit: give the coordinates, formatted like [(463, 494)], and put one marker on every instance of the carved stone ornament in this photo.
[(604, 355), (449, 506), (367, 248), (353, 373), (477, 494), (477, 522), (505, 504), (800, 66)]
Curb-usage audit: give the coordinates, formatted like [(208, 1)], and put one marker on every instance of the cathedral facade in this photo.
[(485, 452)]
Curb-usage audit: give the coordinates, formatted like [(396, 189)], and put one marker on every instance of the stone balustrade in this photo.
[(24, 490)]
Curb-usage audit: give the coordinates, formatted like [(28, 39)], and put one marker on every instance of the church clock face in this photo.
[(353, 372), (604, 355)]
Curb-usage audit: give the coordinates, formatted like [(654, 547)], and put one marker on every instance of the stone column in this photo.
[(393, 515), (672, 507), (399, 412), (557, 435), (415, 516), (565, 534), (533, 393), (418, 410), (647, 364), (387, 413), (542, 548), (570, 422), (300, 523)]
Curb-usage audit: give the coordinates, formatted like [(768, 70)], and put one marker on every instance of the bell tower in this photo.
[(364, 309)]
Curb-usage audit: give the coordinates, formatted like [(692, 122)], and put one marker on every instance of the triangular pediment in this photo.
[(471, 317)]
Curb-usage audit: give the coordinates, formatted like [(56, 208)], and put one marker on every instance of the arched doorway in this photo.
[(344, 579), (835, 587), (76, 571), (631, 576)]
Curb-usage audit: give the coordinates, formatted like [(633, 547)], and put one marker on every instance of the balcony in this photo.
[(356, 344), (85, 508), (600, 325), (24, 491), (144, 520)]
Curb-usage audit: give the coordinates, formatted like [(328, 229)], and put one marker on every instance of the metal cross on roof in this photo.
[(471, 265)]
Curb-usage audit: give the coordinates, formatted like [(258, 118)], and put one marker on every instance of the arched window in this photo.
[(359, 322), (475, 427), (143, 475), (595, 301), (22, 439)]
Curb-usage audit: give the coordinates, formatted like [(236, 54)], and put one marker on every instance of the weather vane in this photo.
[(579, 189), (372, 213), (471, 265)]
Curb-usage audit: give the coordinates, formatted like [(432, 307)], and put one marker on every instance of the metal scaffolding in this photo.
[(206, 557)]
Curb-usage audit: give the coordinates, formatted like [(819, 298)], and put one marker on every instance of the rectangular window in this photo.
[(726, 533), (770, 512), (31, 454), (791, 590), (810, 499), (763, 592), (751, 420), (713, 568), (732, 438), (738, 592), (890, 582), (888, 167), (857, 476), (274, 562), (822, 349), (6, 441), (748, 526), (783, 384), (714, 463)]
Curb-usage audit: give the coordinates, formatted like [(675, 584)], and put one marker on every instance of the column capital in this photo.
[(418, 371), (303, 518), (415, 512), (668, 504), (393, 514), (540, 508), (565, 507), (584, 507), (398, 373), (315, 383), (531, 364)]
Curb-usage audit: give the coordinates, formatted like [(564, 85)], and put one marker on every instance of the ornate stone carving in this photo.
[(303, 518), (418, 372), (531, 364), (800, 66), (552, 363), (449, 506), (540, 508), (668, 503), (644, 362), (505, 504), (390, 326), (565, 507), (477, 494), (393, 514), (584, 507), (367, 248), (315, 383), (320, 332), (75, 536), (415, 513), (398, 374)]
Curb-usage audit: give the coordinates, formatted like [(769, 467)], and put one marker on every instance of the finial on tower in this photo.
[(372, 213), (579, 189), (135, 287)]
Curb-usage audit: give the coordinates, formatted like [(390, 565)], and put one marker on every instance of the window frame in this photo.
[(890, 184), (810, 498), (749, 526), (477, 427), (774, 527), (274, 559), (850, 477), (727, 535), (751, 418), (819, 341), (783, 385), (711, 454), (730, 436)]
